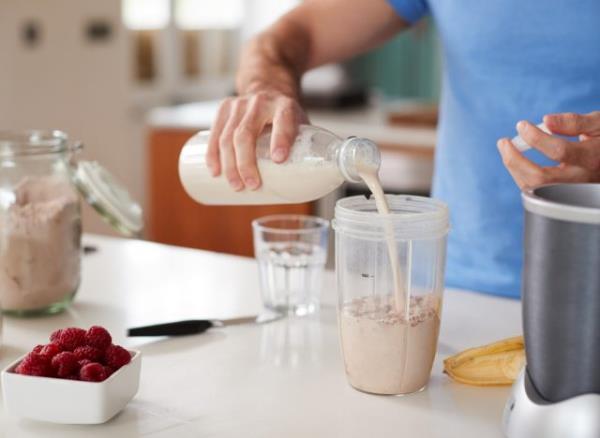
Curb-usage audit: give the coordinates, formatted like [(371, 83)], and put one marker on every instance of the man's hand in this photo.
[(239, 123), (579, 161), (268, 82)]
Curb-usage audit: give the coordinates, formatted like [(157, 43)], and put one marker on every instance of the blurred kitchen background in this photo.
[(134, 79)]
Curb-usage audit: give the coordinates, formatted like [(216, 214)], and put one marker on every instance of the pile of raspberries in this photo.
[(76, 354)]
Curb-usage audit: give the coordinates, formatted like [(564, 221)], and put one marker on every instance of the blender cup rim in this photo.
[(412, 217), (318, 224)]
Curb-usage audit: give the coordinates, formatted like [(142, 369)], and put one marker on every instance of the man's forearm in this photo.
[(310, 35), (275, 60), (268, 82)]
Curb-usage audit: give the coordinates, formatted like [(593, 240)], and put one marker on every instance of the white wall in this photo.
[(259, 14), (88, 90), (72, 84)]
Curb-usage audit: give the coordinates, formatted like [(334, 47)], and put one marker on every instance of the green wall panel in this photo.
[(409, 65)]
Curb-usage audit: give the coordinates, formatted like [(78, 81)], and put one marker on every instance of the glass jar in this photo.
[(40, 219), (390, 279)]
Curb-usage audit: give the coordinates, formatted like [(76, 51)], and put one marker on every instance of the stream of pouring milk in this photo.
[(371, 179)]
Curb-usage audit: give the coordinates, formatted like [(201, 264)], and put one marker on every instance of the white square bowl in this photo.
[(70, 401)]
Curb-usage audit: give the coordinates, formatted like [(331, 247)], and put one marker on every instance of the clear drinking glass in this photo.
[(390, 279), (291, 251)]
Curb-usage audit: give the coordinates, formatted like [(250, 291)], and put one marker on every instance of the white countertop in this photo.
[(284, 379), (369, 122)]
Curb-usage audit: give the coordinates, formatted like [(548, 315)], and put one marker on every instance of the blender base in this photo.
[(528, 415)]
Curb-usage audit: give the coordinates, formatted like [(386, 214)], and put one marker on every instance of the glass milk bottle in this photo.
[(318, 163)]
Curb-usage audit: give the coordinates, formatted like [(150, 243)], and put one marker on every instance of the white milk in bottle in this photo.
[(318, 163)]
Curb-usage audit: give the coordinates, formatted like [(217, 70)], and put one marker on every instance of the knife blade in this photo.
[(197, 326)]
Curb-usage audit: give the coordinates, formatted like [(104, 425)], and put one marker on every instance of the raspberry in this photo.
[(64, 364), (37, 349), (83, 362), (98, 337), (55, 335), (116, 356), (87, 352), (35, 364), (50, 350), (109, 371), (71, 338), (72, 377), (92, 372)]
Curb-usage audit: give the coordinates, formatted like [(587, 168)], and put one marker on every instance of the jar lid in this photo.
[(108, 197)]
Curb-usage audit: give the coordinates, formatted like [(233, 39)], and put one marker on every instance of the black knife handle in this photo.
[(179, 328)]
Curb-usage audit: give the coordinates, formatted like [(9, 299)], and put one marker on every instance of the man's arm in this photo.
[(314, 33)]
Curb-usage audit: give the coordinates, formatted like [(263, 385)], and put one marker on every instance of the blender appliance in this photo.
[(558, 392)]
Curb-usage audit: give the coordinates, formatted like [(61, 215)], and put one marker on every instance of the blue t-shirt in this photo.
[(505, 60)]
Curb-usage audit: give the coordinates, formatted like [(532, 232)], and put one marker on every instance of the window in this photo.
[(146, 14), (180, 43), (200, 14), (189, 14)]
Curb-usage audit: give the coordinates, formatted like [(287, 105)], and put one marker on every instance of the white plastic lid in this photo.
[(520, 143), (108, 197)]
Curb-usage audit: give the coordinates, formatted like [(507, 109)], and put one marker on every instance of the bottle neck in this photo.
[(356, 153)]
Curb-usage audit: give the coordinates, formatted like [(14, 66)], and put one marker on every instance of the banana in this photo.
[(493, 364)]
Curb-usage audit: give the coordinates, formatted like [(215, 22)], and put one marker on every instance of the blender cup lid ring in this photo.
[(413, 217), (565, 202)]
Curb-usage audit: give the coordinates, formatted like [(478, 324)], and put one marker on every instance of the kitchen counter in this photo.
[(370, 122), (283, 379)]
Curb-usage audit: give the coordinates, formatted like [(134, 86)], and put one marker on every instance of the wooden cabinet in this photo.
[(174, 218)]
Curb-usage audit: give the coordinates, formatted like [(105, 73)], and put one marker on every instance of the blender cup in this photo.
[(390, 279)]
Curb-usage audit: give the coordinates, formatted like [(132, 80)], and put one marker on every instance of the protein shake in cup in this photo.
[(390, 273)]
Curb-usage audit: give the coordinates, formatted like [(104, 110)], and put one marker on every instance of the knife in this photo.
[(197, 326)]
